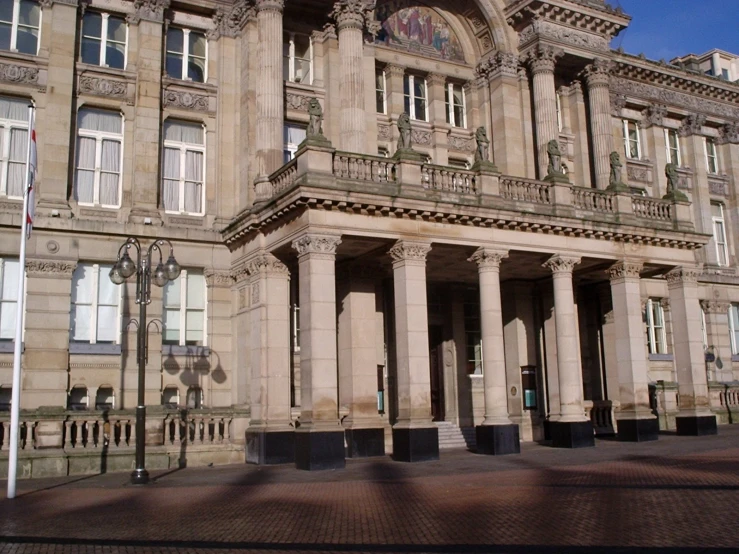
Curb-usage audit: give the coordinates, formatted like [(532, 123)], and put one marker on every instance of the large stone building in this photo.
[(545, 248)]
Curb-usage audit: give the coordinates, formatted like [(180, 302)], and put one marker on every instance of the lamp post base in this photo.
[(139, 477)]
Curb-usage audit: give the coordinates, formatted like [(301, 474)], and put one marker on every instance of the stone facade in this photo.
[(343, 297)]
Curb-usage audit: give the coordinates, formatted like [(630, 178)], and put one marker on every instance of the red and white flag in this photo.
[(32, 165)]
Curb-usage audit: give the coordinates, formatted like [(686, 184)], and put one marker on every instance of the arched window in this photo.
[(194, 398), (171, 396), (105, 398), (78, 399)]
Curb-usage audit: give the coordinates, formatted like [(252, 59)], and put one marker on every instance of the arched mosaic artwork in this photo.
[(412, 27)]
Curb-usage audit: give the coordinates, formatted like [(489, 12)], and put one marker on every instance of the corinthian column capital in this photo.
[(409, 252), (488, 259), (542, 59), (597, 74), (561, 264), (503, 63), (323, 246), (353, 14), (269, 5)]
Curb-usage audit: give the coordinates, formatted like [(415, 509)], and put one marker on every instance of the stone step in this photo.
[(451, 436)]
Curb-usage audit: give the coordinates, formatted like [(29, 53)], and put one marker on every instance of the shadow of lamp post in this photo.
[(164, 272)]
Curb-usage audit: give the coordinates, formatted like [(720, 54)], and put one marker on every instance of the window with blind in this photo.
[(20, 23), (104, 38), (8, 297), (183, 179), (672, 145), (632, 141), (656, 336), (95, 314), (184, 309), (13, 145), (709, 145), (99, 158), (380, 90)]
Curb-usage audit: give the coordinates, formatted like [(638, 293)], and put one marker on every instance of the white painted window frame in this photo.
[(722, 247), (656, 335), (559, 112), (4, 301), (183, 308), (185, 147), (452, 120), (15, 23), (412, 97), (669, 150), (6, 128), (99, 136), (291, 57), (186, 54), (734, 327), (627, 140), (711, 154), (383, 91), (96, 276), (104, 40)]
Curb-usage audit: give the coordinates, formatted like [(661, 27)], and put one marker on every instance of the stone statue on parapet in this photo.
[(614, 180), (483, 145), (404, 128), (554, 168), (315, 125), (672, 184)]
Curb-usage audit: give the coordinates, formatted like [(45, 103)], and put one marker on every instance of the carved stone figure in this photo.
[(615, 179), (404, 127), (483, 145), (672, 177), (315, 125), (555, 158)]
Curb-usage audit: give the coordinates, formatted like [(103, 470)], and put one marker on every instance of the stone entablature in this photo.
[(567, 36), (604, 21)]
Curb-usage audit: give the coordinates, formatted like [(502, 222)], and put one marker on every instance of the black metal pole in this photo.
[(140, 476)]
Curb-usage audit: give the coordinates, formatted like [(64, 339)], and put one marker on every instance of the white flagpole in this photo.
[(16, 393)]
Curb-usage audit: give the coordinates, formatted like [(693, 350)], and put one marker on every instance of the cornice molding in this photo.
[(604, 21)]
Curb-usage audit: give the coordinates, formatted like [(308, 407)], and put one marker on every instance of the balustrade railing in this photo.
[(729, 397), (448, 179), (99, 430), (525, 190), (364, 168), (196, 428), (652, 208), (284, 177), (593, 200)]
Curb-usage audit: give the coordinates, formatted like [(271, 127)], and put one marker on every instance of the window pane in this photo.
[(420, 109), (174, 65), (380, 99), (27, 41), (107, 323), (419, 88), (407, 104), (171, 163), (116, 29), (9, 290), (197, 44), (108, 292), (111, 156), (406, 84), (5, 30), (7, 320), (115, 55), (81, 317), (196, 69), (195, 291), (92, 24), (90, 51), (30, 13), (82, 284), (175, 40), (86, 153), (172, 293), (171, 320), (6, 11), (194, 326)]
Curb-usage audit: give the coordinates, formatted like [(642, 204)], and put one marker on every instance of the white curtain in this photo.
[(171, 179), (17, 161), (108, 296), (99, 120), (82, 294), (195, 315), (171, 315), (178, 131), (14, 109), (85, 185), (193, 181), (8, 298), (109, 177)]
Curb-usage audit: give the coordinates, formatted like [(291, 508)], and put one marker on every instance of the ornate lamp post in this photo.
[(162, 274)]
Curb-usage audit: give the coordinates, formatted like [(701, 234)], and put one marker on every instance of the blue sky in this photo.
[(670, 28)]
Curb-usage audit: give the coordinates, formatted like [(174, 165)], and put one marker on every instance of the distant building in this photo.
[(548, 249)]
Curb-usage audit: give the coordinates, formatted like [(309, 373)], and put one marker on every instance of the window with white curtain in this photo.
[(455, 105), (672, 145), (184, 309), (559, 111), (104, 38), (20, 23), (8, 297), (656, 336), (380, 90), (293, 135), (414, 96), (734, 328), (183, 179), (297, 53), (96, 301), (709, 145), (719, 233), (99, 158), (13, 145), (187, 55), (632, 141)]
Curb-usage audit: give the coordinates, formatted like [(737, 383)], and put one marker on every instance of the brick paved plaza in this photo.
[(678, 495)]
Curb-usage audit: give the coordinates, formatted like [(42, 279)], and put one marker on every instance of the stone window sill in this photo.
[(661, 357), (184, 350), (97, 349), (8, 346)]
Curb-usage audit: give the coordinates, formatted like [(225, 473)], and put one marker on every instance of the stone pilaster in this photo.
[(504, 438), (319, 441), (695, 417), (351, 17), (572, 429), (269, 94), (579, 125), (437, 112), (597, 79), (219, 283), (635, 419), (394, 82), (541, 61), (415, 438)]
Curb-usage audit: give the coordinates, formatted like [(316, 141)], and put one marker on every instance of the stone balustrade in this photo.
[(724, 400), (652, 208), (525, 190), (364, 168), (448, 179), (594, 200)]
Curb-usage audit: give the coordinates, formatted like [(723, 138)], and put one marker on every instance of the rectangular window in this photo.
[(104, 39), (184, 309), (187, 55), (559, 112), (20, 23), (734, 328), (13, 145), (473, 333), (297, 51), (632, 143), (656, 337), (709, 145), (8, 297), (455, 105), (414, 94), (380, 91), (95, 315), (99, 158), (293, 135), (672, 146), (719, 234), (183, 172), (295, 327)]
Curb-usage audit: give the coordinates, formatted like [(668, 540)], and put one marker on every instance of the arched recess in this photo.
[(504, 37)]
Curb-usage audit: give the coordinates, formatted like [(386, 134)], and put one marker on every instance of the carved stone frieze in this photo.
[(262, 263), (636, 173), (561, 264), (52, 269), (461, 144), (719, 188), (297, 102), (692, 125), (488, 259), (503, 63), (148, 10), (421, 137), (408, 251), (185, 100), (18, 73), (255, 293), (101, 86), (681, 275), (317, 245), (215, 277), (541, 28), (625, 270), (729, 133), (384, 132)]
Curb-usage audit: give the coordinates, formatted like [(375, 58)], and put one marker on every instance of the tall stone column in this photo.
[(496, 435), (415, 437), (269, 439), (365, 433), (270, 106), (695, 416), (541, 62), (572, 429), (636, 422), (597, 79), (350, 21), (319, 441)]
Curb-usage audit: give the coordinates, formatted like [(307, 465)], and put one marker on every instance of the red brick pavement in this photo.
[(678, 495)]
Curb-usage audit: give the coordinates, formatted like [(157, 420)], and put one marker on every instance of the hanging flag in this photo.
[(32, 165)]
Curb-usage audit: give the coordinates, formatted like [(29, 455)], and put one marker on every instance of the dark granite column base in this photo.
[(696, 425), (416, 444), (270, 447), (365, 443), (497, 440), (638, 430), (316, 450), (572, 434)]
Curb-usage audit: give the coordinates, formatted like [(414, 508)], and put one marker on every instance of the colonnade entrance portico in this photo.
[(364, 312)]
